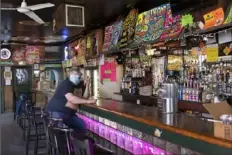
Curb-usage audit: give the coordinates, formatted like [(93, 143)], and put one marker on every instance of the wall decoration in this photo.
[(175, 63), (6, 63), (116, 35), (7, 75), (150, 24), (187, 20), (32, 54), (173, 29), (5, 54), (21, 75), (108, 71), (128, 29), (158, 18), (229, 16), (214, 18), (107, 38), (19, 55), (212, 53), (141, 26), (225, 49)]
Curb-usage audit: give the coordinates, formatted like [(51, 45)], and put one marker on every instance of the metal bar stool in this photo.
[(57, 135), (34, 124)]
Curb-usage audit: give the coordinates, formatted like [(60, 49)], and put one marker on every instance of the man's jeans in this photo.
[(71, 120)]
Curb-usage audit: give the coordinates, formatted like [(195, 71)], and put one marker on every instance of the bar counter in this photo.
[(175, 133)]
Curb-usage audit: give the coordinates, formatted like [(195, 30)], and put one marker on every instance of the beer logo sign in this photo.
[(5, 54)]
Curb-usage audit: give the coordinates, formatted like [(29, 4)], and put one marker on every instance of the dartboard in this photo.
[(5, 53)]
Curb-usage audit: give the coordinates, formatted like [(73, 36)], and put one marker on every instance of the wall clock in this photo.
[(5, 54)]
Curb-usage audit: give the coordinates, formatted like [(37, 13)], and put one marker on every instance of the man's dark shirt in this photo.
[(58, 101)]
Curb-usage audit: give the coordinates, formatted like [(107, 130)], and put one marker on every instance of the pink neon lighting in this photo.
[(123, 140)]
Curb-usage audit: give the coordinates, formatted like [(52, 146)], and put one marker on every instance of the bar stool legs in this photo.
[(68, 142)]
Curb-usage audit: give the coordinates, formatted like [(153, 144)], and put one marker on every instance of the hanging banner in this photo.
[(128, 29), (107, 38), (116, 35), (229, 16), (173, 29), (214, 18), (150, 24), (212, 53), (108, 71), (32, 54)]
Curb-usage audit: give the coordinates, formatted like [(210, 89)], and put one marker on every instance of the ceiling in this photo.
[(18, 28)]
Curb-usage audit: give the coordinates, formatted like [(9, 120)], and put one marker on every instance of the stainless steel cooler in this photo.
[(168, 98)]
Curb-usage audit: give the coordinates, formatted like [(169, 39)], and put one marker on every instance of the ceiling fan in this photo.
[(28, 10)]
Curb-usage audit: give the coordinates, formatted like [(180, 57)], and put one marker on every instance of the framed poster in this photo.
[(21, 75)]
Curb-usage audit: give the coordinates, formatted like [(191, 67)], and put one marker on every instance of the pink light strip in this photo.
[(123, 140)]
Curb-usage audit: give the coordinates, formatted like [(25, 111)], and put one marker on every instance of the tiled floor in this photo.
[(11, 136), (12, 142)]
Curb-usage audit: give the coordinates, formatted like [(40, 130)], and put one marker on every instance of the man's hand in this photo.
[(92, 101), (87, 81)]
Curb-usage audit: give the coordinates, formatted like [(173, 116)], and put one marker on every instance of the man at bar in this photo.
[(64, 103)]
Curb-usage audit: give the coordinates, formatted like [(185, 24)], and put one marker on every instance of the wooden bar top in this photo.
[(183, 124)]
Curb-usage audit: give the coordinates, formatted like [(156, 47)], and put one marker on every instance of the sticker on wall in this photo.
[(5, 54), (157, 133)]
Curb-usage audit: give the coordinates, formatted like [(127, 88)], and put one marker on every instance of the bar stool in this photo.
[(57, 135), (34, 124), (82, 147)]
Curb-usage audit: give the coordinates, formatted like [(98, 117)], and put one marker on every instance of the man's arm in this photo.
[(86, 94), (87, 88), (77, 100)]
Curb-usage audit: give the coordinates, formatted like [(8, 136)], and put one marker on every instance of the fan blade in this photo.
[(8, 8), (40, 6), (33, 16)]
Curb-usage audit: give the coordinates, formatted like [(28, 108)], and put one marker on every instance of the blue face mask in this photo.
[(75, 79)]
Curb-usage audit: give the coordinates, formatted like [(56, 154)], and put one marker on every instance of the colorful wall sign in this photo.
[(19, 55), (5, 54), (175, 63), (108, 71), (229, 16), (214, 18), (187, 20), (107, 38), (32, 54), (150, 24), (212, 53), (128, 29), (173, 29), (116, 34)]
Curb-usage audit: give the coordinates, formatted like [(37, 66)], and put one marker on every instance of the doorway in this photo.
[(14, 79)]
